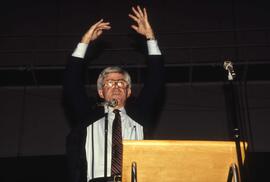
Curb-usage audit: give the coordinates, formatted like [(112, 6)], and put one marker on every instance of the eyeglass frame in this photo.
[(116, 82)]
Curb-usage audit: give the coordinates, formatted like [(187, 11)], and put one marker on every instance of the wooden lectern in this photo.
[(176, 161)]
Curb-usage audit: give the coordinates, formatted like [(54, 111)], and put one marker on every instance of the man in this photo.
[(86, 144)]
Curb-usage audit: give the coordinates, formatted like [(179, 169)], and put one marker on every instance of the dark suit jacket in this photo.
[(81, 108)]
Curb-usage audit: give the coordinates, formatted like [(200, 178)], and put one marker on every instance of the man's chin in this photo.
[(117, 97)]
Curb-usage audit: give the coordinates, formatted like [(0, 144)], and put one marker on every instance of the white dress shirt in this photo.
[(131, 130)]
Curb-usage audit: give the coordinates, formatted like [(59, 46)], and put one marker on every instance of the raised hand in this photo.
[(95, 31), (142, 26)]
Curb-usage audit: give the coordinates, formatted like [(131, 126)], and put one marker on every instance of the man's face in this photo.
[(115, 87)]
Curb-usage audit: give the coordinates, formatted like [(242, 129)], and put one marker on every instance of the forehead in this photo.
[(114, 76)]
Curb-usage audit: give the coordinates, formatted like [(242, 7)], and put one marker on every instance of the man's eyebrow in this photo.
[(115, 80)]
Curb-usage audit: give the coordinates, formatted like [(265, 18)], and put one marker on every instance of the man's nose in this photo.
[(116, 85)]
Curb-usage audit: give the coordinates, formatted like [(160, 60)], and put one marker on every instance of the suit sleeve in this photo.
[(75, 96), (148, 101)]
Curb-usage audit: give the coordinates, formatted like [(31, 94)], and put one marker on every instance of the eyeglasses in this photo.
[(113, 83)]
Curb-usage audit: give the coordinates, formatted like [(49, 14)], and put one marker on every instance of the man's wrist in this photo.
[(149, 35), (150, 38)]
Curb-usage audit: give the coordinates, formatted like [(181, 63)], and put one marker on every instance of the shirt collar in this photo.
[(110, 109)]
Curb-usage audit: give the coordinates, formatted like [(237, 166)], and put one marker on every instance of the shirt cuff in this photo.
[(80, 50), (153, 48)]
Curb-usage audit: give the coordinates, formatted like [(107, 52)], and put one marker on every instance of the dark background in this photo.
[(195, 37)]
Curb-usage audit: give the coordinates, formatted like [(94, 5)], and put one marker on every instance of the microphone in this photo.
[(111, 103), (229, 67), (133, 172)]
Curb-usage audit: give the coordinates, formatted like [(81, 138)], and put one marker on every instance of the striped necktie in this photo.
[(116, 144)]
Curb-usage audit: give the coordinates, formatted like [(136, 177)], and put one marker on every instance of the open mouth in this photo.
[(116, 93)]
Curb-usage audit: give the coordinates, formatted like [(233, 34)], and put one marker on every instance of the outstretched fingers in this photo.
[(134, 18), (145, 14), (95, 31), (140, 11), (102, 25), (136, 12), (142, 25)]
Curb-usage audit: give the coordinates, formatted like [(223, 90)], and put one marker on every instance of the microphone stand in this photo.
[(106, 105), (106, 144), (233, 112)]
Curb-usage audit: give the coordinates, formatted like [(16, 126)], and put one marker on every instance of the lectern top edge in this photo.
[(178, 142)]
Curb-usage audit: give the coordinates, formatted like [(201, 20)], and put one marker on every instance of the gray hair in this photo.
[(112, 69)]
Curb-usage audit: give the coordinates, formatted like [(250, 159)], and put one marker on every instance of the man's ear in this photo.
[(128, 92), (100, 93)]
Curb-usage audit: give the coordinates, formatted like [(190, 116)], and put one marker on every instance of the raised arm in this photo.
[(152, 90), (74, 92)]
